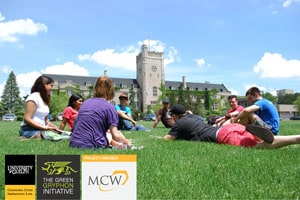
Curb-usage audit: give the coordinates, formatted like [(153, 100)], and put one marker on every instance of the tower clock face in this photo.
[(154, 68)]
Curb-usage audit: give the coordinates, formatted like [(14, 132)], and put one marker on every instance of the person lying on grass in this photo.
[(190, 127)]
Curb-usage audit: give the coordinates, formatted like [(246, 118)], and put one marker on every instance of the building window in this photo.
[(87, 84), (69, 92), (123, 86), (215, 106), (153, 102), (154, 91)]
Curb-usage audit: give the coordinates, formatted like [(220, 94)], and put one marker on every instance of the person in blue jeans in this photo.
[(126, 121), (262, 112)]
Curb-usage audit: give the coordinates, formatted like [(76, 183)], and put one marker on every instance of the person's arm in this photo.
[(30, 108), (169, 137), (245, 113), (158, 118), (63, 124), (117, 136), (124, 116)]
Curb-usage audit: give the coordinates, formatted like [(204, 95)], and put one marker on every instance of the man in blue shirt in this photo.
[(262, 113), (125, 119)]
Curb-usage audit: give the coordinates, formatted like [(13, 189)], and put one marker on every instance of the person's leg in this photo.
[(128, 125), (235, 134), (247, 119), (261, 132), (280, 141)]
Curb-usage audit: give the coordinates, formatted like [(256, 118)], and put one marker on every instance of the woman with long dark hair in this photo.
[(35, 120), (71, 111)]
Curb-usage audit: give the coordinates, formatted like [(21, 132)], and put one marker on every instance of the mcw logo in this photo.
[(110, 182)]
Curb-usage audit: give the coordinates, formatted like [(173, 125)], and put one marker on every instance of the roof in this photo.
[(82, 80), (197, 86)]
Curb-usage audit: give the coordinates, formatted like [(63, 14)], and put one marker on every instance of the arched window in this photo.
[(154, 91)]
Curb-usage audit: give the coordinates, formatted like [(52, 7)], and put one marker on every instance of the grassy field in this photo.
[(187, 170)]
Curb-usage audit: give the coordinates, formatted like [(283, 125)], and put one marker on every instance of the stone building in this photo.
[(149, 76)]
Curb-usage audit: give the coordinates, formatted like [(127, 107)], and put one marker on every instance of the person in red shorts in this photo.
[(189, 127)]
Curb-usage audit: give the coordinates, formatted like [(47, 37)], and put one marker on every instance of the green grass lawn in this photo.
[(187, 170)]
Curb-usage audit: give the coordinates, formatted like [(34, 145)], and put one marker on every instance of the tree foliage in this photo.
[(297, 104), (270, 97), (288, 98), (11, 99), (58, 103)]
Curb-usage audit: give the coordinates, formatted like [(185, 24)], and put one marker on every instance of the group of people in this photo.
[(96, 123)]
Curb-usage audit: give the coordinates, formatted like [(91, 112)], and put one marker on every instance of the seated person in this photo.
[(95, 117), (262, 113), (35, 124), (71, 111), (125, 120), (163, 115), (234, 110)]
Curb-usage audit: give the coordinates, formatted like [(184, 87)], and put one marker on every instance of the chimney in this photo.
[(184, 82)]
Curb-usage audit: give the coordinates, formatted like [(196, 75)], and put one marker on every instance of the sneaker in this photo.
[(262, 133)]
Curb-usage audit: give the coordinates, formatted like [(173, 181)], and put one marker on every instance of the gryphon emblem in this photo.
[(58, 167)]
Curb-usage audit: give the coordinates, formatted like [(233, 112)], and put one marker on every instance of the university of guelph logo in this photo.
[(58, 167)]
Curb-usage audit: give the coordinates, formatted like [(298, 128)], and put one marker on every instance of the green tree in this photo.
[(270, 97), (11, 99), (287, 99), (297, 104), (58, 103)]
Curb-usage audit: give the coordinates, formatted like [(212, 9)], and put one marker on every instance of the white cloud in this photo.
[(202, 63), (2, 18), (261, 88), (275, 66), (6, 69), (9, 31), (172, 56), (25, 82), (111, 58), (125, 57), (234, 91), (288, 3), (68, 68)]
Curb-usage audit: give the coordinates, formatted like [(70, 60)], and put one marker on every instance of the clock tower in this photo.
[(150, 74)]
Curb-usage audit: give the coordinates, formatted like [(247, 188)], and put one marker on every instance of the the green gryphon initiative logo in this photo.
[(58, 167)]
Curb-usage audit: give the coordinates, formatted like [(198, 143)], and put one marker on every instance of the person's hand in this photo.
[(219, 120), (49, 127), (128, 143), (133, 122)]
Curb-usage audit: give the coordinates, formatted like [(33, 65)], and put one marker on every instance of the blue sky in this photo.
[(238, 43)]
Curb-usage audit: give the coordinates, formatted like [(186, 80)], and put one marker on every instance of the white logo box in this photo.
[(110, 176)]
